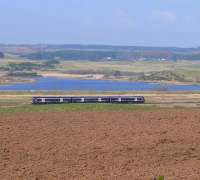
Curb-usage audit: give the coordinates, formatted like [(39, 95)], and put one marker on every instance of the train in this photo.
[(89, 99)]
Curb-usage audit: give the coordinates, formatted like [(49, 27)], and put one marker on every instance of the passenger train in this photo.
[(89, 99)]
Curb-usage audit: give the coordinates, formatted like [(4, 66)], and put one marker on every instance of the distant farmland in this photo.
[(21, 63)]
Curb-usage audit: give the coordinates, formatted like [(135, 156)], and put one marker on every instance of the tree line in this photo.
[(112, 55)]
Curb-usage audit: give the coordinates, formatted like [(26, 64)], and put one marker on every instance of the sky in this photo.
[(109, 22)]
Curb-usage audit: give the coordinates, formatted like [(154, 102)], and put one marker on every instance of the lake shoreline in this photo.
[(89, 77), (12, 81), (77, 84), (102, 77)]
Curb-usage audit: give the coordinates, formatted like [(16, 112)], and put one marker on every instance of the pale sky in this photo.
[(114, 22)]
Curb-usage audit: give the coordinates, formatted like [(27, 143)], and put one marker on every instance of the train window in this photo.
[(52, 100), (114, 99), (128, 99), (105, 99), (91, 99), (67, 100), (77, 100)]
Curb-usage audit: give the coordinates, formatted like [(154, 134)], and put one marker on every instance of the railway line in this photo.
[(151, 98)]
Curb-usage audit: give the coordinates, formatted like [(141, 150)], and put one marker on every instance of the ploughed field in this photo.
[(100, 145)]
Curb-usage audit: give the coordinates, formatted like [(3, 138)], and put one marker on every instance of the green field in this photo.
[(127, 66), (76, 107)]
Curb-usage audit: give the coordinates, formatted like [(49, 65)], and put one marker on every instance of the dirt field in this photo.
[(100, 145)]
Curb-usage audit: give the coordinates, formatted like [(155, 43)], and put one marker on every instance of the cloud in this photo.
[(165, 16)]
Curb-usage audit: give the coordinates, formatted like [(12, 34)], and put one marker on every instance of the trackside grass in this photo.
[(77, 107)]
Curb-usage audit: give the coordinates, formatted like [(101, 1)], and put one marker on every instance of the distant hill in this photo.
[(1, 55), (112, 55), (100, 52)]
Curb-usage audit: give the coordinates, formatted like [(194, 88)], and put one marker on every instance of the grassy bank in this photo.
[(76, 107)]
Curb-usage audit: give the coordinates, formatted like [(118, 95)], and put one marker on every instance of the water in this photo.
[(53, 84)]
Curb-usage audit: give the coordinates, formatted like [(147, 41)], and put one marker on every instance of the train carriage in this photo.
[(89, 99)]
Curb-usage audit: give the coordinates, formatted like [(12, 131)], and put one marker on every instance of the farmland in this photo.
[(100, 144), (100, 141)]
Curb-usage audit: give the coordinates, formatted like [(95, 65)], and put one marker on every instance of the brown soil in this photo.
[(100, 145)]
